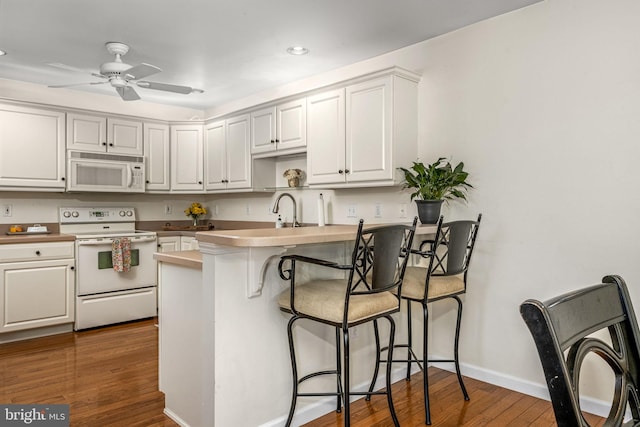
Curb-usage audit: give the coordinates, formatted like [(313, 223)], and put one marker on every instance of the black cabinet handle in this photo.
[(110, 145), (272, 141), (277, 140), (347, 171), (72, 267), (104, 143), (199, 182), (62, 178), (340, 171), (38, 253)]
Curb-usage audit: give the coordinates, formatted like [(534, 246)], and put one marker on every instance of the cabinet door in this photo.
[(32, 148), (124, 136), (86, 133), (215, 157), (169, 244), (188, 243), (156, 153), (292, 125), (238, 152), (326, 138), (263, 130), (186, 157), (368, 130), (36, 294)]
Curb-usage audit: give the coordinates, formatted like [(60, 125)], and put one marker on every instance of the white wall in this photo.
[(542, 105)]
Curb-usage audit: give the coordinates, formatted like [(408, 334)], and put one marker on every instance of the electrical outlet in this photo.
[(378, 210), (7, 210), (168, 209), (402, 210), (352, 212)]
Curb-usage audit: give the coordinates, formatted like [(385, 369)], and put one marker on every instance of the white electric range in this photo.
[(103, 295)]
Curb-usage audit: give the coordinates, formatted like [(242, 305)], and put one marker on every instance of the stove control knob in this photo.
[(121, 213), (66, 214), (129, 213), (75, 214)]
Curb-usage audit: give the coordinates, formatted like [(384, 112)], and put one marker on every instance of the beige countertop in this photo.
[(268, 237), (191, 259), (6, 239)]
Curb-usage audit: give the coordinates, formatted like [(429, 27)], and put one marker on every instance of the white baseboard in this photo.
[(588, 404), (324, 406)]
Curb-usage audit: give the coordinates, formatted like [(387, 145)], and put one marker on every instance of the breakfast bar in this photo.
[(223, 344)]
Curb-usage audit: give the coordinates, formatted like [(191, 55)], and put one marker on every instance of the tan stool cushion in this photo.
[(324, 299), (439, 286)]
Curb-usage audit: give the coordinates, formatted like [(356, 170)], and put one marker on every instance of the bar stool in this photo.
[(445, 277), (369, 292)]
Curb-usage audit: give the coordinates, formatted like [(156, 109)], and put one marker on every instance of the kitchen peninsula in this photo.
[(223, 345)]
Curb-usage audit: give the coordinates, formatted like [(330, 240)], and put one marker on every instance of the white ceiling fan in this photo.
[(121, 76)]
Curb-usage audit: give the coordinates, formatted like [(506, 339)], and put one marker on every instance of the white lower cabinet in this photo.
[(177, 243), (37, 285)]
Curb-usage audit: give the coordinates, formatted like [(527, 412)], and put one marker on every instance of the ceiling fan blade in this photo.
[(127, 93), (140, 71), (166, 87), (77, 84)]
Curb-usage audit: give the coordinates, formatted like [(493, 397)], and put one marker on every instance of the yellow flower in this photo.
[(195, 210)]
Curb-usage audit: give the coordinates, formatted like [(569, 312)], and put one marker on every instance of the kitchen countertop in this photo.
[(6, 239), (269, 237), (192, 259)]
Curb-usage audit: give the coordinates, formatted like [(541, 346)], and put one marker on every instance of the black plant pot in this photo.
[(429, 210)]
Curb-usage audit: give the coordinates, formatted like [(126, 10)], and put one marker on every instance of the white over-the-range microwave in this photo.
[(105, 172)]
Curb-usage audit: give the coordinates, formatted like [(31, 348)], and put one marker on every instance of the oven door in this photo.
[(95, 273)]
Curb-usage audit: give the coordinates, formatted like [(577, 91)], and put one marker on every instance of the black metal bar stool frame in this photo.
[(448, 255), (378, 262)]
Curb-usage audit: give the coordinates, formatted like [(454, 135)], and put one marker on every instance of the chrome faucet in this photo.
[(276, 207)]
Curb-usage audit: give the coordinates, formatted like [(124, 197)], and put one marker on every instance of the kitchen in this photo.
[(536, 102)]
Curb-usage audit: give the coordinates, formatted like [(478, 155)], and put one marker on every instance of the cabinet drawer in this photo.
[(36, 251)]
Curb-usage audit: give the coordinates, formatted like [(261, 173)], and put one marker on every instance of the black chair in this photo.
[(561, 328), (368, 292), (444, 277)]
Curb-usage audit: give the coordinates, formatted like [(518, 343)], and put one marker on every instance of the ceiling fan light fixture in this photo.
[(298, 50)]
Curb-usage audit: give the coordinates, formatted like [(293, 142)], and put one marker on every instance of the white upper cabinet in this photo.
[(238, 152), (156, 153), (32, 153), (104, 134), (227, 154), (215, 155), (360, 135), (186, 158), (280, 129), (326, 137)]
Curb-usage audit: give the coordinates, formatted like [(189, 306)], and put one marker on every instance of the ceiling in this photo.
[(230, 49)]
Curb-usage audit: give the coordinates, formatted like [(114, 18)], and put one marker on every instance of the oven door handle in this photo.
[(109, 241)]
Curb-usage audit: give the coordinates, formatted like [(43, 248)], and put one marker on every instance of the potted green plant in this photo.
[(434, 184)]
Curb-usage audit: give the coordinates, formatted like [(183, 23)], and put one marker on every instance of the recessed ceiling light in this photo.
[(298, 50), (2, 53)]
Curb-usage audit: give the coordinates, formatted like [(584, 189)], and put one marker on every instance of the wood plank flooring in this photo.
[(109, 377)]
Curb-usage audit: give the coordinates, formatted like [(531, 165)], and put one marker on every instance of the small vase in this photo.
[(195, 221)]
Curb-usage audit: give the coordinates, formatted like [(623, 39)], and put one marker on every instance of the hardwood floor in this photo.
[(109, 377)]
